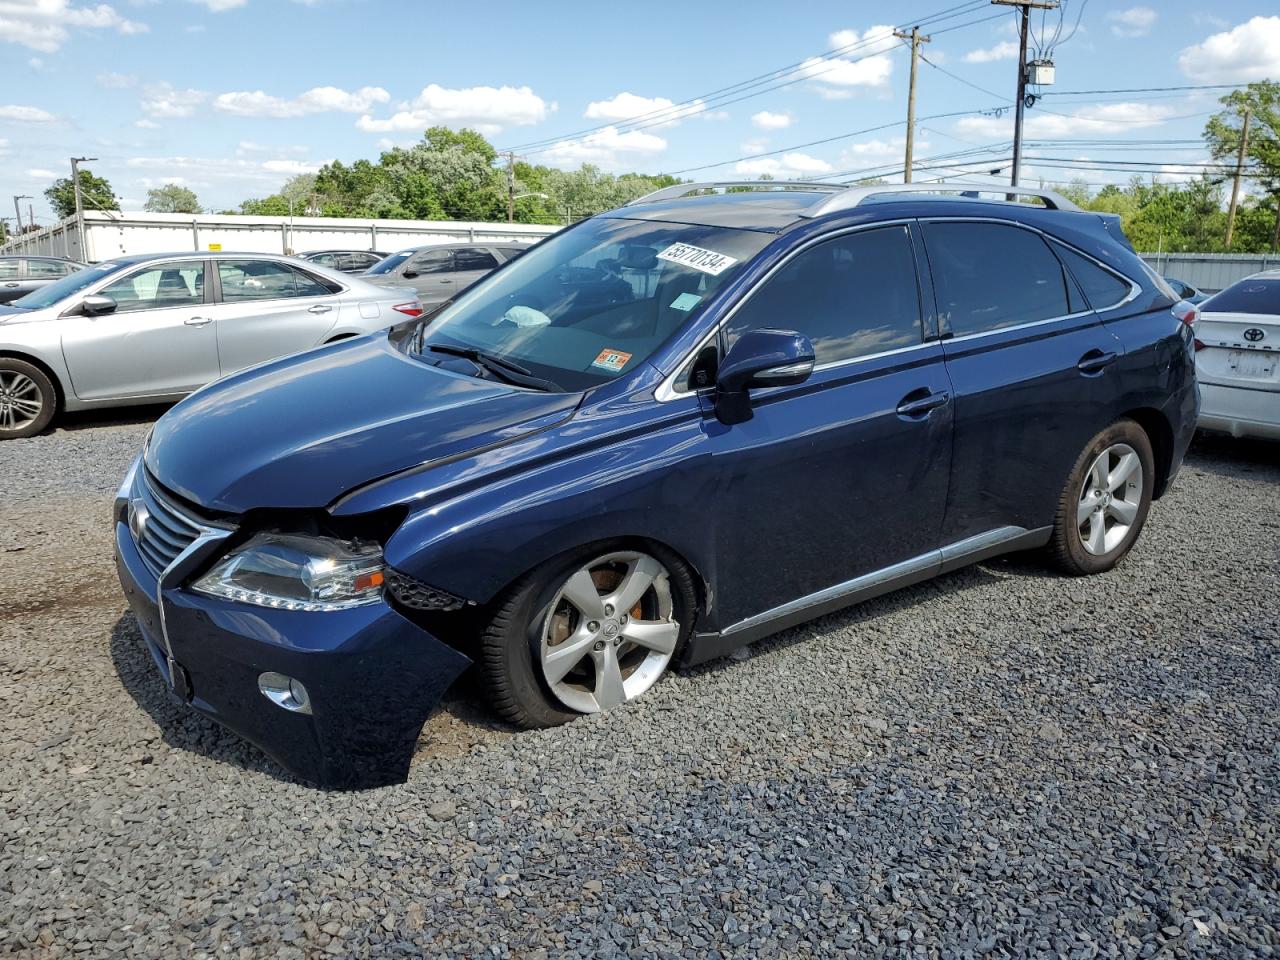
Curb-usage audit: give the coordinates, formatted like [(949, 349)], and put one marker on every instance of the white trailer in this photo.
[(110, 234)]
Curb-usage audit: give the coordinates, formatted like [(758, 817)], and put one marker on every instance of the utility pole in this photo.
[(75, 181), (511, 187), (1025, 7), (1235, 187), (17, 209), (916, 39)]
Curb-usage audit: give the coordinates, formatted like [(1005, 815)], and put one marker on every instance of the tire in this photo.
[(535, 615), (28, 399), (1105, 503)]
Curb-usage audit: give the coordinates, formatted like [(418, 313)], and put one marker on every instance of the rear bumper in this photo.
[(372, 675), (1240, 411)]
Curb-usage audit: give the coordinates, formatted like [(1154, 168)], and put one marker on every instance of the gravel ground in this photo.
[(1001, 762)]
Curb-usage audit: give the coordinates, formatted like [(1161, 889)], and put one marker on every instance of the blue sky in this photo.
[(231, 97)]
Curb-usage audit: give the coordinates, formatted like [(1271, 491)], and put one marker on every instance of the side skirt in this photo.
[(709, 646)]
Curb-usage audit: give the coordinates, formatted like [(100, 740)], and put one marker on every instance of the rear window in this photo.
[(1247, 296), (1102, 287)]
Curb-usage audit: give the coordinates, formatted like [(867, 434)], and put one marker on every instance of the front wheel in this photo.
[(586, 633), (28, 399), (1106, 500)]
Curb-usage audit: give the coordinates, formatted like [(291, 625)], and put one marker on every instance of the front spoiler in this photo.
[(373, 676)]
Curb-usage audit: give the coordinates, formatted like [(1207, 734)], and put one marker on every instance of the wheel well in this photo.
[(1158, 431), (58, 390)]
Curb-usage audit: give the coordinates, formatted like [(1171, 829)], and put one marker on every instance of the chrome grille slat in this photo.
[(168, 529)]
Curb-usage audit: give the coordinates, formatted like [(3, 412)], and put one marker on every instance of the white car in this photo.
[(155, 327), (1238, 358)]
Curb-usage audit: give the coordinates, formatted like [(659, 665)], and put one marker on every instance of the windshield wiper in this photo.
[(502, 368)]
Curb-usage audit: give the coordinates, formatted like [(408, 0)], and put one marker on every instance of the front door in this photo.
[(430, 273), (159, 341), (1033, 369), (845, 475), (268, 309), (470, 265)]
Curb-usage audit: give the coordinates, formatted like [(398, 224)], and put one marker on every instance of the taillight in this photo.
[(411, 309), (1189, 314)]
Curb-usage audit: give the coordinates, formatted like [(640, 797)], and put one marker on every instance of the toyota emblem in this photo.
[(138, 517), (1253, 334)]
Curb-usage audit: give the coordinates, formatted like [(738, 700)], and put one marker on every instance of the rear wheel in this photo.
[(1106, 500), (28, 399), (587, 633)]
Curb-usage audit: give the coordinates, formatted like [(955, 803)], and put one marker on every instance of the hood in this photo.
[(302, 431)]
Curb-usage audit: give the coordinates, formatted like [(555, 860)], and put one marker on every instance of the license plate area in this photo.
[(1253, 364)]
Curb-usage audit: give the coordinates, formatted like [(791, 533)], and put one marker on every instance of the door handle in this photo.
[(921, 406), (319, 308), (1095, 361), (12, 283), (446, 281), (198, 321)]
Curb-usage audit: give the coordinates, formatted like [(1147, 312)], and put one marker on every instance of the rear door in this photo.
[(1031, 366), (1240, 330), (430, 273), (160, 341), (267, 309)]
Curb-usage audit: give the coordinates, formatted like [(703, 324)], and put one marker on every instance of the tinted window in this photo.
[(388, 264), (471, 259), (1247, 296), (9, 269), (851, 296), (432, 261), (989, 276), (47, 268), (264, 280), (324, 259), (1102, 287), (356, 261), (163, 285)]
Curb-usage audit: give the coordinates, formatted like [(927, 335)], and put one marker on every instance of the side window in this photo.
[(264, 280), (47, 269), (469, 258), (1102, 287), (176, 284), (9, 269), (324, 259), (431, 261), (989, 276), (852, 296), (355, 261)]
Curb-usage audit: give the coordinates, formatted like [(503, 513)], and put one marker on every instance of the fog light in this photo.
[(285, 692)]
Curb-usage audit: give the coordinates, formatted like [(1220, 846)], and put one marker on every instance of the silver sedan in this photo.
[(153, 328)]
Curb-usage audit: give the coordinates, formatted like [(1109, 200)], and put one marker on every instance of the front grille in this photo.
[(164, 530)]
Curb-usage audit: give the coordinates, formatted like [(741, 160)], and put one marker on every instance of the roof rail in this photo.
[(851, 197), (784, 186)]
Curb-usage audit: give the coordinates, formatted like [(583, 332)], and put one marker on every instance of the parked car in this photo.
[(1186, 291), (344, 261), (660, 434), (21, 275), (1238, 358), (440, 272), (153, 328)]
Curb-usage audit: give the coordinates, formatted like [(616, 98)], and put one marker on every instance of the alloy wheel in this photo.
[(610, 632), (1110, 499), (21, 400)]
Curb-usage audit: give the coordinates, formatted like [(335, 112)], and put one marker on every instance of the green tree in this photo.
[(1223, 132), (95, 191), (171, 198)]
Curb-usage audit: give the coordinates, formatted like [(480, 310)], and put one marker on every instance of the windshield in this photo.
[(1247, 296), (50, 294), (593, 302), (391, 262)]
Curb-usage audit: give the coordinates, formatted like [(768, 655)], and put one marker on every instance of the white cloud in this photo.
[(867, 64), (629, 106), (1249, 51), (45, 25), (245, 147), (790, 166), (36, 63), (220, 6), (1096, 119), (755, 146), (240, 174), (39, 173), (163, 100), (116, 81), (605, 148), (487, 109), (873, 154), (1005, 50), (291, 167), (25, 114), (316, 100), (1134, 22), (766, 120), (146, 124)]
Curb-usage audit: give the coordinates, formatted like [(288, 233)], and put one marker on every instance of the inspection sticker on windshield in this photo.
[(611, 360), (708, 261)]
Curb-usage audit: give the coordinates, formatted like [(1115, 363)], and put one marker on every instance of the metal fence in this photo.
[(1211, 272)]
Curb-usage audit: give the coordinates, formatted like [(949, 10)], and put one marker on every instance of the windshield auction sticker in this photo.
[(708, 261), (611, 360)]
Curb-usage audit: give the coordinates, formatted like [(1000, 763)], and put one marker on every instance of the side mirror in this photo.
[(96, 305), (760, 358), (409, 274)]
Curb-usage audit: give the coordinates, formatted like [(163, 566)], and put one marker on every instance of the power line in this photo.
[(1200, 86)]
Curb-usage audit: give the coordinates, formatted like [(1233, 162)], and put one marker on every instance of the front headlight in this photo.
[(297, 572)]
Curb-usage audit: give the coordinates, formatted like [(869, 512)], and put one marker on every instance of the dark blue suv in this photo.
[(660, 434)]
